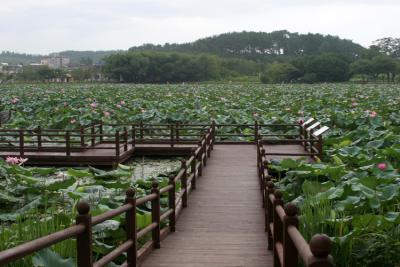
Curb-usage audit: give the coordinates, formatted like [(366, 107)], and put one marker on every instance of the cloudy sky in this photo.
[(43, 26)]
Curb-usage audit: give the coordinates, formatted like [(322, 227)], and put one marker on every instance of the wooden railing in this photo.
[(119, 138), (281, 225), (189, 172), (309, 135)]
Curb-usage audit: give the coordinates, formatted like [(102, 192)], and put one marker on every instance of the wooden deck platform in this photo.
[(224, 226)]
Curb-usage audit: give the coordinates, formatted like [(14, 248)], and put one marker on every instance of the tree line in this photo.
[(173, 67)]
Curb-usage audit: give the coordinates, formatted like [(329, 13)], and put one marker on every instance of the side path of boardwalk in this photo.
[(224, 224)]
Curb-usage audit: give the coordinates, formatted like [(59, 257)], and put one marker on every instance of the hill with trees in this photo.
[(262, 46)]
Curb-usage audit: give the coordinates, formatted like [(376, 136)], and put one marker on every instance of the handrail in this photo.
[(281, 225), (188, 174)]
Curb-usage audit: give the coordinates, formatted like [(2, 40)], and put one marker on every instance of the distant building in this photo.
[(55, 61), (6, 68)]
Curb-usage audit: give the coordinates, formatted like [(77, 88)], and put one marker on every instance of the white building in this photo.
[(55, 61)]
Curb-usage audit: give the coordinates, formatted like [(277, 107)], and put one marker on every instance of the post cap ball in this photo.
[(130, 192), (291, 209), (320, 245), (154, 184), (278, 194), (83, 207)]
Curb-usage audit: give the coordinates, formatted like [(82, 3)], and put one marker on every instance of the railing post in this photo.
[(200, 159), (320, 246), (101, 131), (177, 137), (93, 138), (141, 131), (21, 143), (67, 143), (290, 254), (262, 169), (278, 226), (125, 139), (213, 134), (117, 144), (130, 221), (204, 149), (255, 131), (193, 169), (209, 142), (320, 148), (84, 240), (155, 215), (269, 213), (133, 135), (184, 184), (171, 203), (39, 138), (172, 135), (82, 132)]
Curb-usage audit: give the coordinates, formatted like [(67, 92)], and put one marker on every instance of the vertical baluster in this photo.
[(133, 135), (84, 240), (177, 137), (172, 135), (184, 184), (155, 214), (290, 254), (171, 203), (125, 139), (193, 169), (320, 148), (117, 144), (278, 226), (39, 138), (213, 134), (269, 214), (255, 131), (93, 132), (67, 143), (82, 133), (141, 131), (199, 159), (101, 132), (21, 143), (130, 219)]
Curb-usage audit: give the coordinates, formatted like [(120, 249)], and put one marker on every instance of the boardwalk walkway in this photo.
[(224, 226)]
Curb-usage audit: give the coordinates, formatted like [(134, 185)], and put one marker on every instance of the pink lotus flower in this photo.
[(301, 112), (354, 104), (118, 106), (142, 110), (65, 104), (382, 166), (16, 160), (373, 114), (15, 100), (73, 121), (122, 102), (93, 105), (255, 114), (106, 114), (288, 109)]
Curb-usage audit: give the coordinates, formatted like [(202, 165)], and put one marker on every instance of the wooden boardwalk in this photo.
[(224, 224)]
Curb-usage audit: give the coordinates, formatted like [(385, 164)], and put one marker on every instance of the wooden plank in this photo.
[(223, 224)]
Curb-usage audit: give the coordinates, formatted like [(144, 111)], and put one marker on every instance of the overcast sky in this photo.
[(43, 26)]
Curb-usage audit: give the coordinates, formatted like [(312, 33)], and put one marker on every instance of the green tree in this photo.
[(279, 72), (363, 67), (385, 65)]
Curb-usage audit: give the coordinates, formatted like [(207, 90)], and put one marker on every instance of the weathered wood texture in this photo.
[(224, 226)]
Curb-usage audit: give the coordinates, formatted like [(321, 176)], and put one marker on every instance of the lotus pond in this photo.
[(353, 195)]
